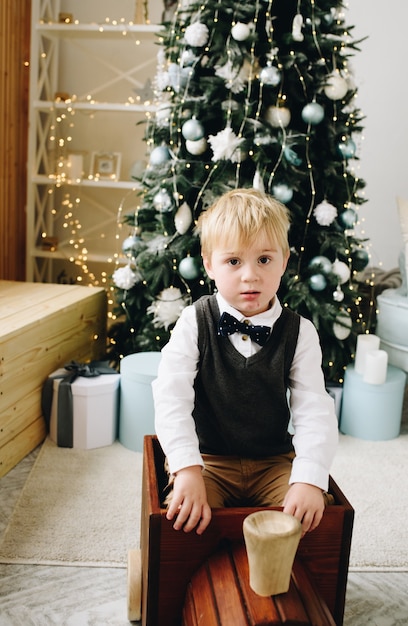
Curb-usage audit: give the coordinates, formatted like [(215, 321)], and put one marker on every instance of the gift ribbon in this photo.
[(65, 430)]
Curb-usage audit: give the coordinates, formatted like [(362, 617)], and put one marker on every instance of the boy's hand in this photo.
[(189, 501), (306, 503)]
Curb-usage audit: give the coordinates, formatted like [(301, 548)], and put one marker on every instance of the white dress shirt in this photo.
[(313, 417)]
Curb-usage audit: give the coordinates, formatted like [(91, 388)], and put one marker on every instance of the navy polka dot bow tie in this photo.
[(228, 325)]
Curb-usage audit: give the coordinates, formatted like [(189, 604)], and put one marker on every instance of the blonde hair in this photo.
[(239, 216)]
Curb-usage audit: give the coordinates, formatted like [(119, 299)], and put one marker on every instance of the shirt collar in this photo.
[(267, 318)]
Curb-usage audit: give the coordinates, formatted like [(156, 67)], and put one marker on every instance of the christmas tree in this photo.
[(249, 94)]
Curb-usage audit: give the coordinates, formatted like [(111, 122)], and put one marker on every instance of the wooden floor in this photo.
[(81, 596)]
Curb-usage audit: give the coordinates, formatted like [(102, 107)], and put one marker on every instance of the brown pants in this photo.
[(235, 481)]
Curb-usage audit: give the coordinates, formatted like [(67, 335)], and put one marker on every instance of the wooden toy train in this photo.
[(182, 579)]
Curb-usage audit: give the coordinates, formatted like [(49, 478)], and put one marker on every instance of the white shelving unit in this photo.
[(89, 96)]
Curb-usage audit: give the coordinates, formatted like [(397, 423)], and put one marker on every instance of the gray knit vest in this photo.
[(241, 405)]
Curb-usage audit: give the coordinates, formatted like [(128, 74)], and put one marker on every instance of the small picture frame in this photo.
[(106, 165)]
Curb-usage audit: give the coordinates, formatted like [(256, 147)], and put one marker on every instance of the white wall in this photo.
[(381, 76)]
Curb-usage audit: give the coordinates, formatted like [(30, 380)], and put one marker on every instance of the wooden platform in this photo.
[(170, 558), (42, 327)]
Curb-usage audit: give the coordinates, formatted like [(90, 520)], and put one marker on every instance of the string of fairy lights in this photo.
[(64, 202)]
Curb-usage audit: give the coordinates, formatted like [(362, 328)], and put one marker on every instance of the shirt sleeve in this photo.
[(313, 413), (173, 394)]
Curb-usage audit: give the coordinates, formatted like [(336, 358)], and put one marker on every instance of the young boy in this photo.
[(221, 395)]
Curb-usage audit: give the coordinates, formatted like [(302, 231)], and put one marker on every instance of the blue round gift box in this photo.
[(136, 416), (369, 411)]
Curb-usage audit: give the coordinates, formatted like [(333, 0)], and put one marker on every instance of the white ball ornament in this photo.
[(278, 117), (196, 147), (341, 270), (325, 213), (282, 192), (313, 113), (240, 31), (342, 327), (338, 295), (197, 34), (336, 86), (125, 278), (159, 155), (183, 218), (192, 130)]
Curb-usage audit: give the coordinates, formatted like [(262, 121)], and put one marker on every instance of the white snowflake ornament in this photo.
[(325, 213), (167, 308), (225, 145)]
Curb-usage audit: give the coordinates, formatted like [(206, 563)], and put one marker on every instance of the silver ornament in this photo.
[(338, 295), (270, 75), (282, 192), (313, 113), (192, 130), (162, 201)]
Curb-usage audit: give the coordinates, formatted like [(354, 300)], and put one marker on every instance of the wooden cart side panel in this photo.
[(175, 556)]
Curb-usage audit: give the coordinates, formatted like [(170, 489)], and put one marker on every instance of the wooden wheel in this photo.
[(134, 585)]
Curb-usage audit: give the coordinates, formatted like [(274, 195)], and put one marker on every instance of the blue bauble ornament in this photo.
[(317, 282), (159, 155), (347, 149), (322, 263), (192, 130), (189, 268), (292, 156), (282, 192), (179, 76), (131, 244), (162, 201), (313, 113), (348, 218), (270, 75), (360, 260)]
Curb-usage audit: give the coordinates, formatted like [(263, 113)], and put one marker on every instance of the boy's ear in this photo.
[(207, 266)]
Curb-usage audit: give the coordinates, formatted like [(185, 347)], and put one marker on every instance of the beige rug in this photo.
[(374, 477), (82, 507), (78, 507)]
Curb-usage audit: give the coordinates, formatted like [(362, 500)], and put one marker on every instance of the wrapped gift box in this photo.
[(392, 326), (64, 322), (83, 412)]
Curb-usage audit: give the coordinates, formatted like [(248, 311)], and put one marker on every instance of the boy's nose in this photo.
[(249, 274)]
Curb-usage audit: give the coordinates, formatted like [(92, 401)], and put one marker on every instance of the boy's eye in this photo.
[(233, 261), (264, 260)]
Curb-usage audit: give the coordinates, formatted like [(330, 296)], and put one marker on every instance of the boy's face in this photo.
[(247, 278)]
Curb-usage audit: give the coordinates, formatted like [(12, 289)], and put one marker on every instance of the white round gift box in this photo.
[(392, 326)]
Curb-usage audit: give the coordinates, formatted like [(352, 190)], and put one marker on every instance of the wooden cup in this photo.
[(271, 540)]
